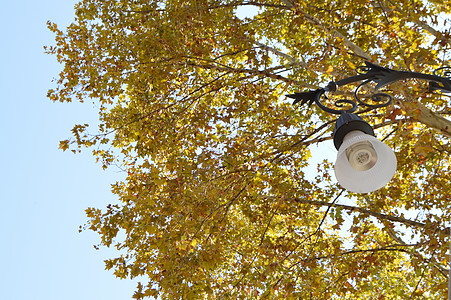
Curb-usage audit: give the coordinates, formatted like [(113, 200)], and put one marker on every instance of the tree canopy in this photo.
[(224, 197)]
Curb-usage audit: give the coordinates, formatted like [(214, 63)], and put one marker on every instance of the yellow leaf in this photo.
[(64, 145), (329, 70), (351, 64)]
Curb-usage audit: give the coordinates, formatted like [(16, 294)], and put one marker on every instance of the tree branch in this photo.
[(432, 31), (269, 222), (388, 248), (266, 73), (353, 47), (364, 211), (354, 251), (418, 22), (422, 114), (281, 54), (248, 3), (396, 238)]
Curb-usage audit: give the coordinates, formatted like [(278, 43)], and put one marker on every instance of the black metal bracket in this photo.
[(379, 75)]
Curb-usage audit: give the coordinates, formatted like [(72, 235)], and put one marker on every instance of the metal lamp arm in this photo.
[(372, 73)]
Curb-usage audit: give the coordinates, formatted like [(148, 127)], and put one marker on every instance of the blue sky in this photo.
[(44, 190)]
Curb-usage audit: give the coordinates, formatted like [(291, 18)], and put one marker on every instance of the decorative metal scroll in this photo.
[(440, 80)]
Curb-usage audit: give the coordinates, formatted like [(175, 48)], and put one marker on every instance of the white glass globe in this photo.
[(364, 164)]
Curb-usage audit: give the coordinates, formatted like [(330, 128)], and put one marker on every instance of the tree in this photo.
[(217, 202)]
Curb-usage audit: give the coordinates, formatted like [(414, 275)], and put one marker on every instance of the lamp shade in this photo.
[(364, 164)]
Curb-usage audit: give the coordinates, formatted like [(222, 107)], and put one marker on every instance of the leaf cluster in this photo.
[(219, 201)]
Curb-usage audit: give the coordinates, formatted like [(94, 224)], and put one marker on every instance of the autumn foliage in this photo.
[(229, 190)]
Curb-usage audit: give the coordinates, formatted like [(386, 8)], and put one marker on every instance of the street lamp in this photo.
[(365, 164)]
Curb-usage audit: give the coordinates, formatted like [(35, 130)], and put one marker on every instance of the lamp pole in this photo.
[(365, 164)]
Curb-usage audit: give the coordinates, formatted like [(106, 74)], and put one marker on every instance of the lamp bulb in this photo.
[(361, 156)]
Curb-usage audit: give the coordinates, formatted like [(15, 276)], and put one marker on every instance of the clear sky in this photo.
[(44, 190)]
